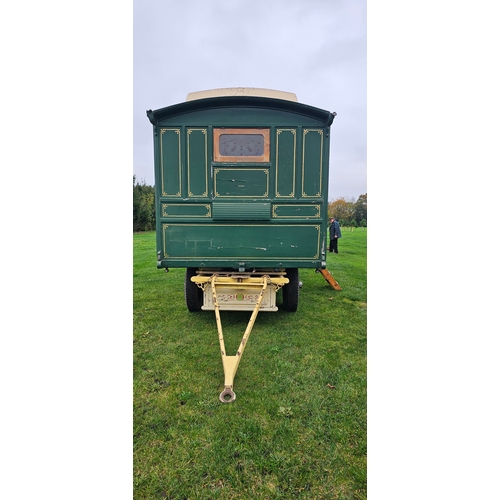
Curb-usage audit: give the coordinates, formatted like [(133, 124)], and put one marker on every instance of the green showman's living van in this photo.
[(241, 181)]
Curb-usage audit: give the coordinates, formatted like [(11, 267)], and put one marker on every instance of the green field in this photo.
[(298, 426)]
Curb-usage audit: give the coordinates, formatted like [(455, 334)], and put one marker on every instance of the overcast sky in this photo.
[(315, 49)]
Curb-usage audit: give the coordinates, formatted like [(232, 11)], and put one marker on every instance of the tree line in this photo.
[(348, 213), (144, 207)]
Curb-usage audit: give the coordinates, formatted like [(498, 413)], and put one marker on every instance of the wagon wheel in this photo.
[(291, 290), (192, 293)]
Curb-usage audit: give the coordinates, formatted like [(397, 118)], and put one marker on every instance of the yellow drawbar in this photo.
[(247, 289)]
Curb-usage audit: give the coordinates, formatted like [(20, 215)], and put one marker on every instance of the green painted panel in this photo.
[(312, 161), (241, 182), (197, 162), (285, 162), (241, 241), (297, 211), (170, 161), (241, 211), (186, 210)]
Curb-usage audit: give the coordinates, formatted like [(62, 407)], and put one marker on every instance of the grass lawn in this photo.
[(298, 426)]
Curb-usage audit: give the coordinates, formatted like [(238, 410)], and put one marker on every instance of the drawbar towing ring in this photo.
[(227, 392)]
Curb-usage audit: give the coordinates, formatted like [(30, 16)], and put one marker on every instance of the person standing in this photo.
[(335, 234)]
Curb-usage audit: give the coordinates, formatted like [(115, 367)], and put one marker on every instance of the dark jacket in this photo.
[(335, 230)]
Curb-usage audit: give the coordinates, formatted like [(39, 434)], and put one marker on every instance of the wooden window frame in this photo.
[(264, 158)]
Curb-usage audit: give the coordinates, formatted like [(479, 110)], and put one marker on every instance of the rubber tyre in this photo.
[(291, 291), (192, 293)]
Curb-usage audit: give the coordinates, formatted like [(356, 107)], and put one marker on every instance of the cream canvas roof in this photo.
[(242, 91)]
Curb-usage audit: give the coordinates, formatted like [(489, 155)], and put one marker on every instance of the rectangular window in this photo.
[(235, 145)]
